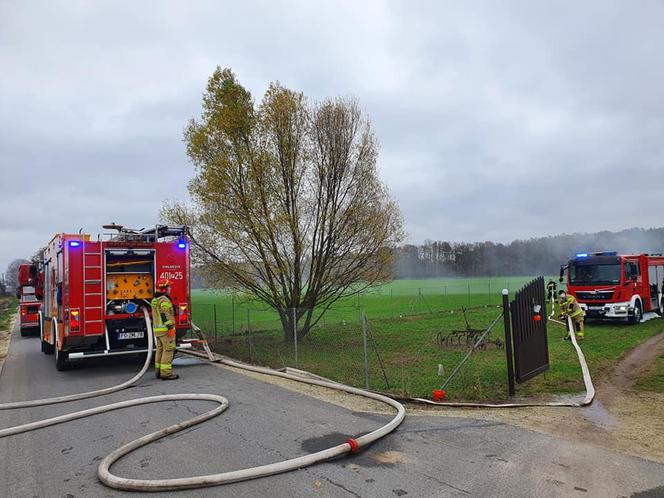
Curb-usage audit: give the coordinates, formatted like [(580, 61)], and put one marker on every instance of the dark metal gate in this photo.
[(531, 351)]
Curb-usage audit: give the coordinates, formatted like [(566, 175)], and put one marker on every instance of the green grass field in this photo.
[(406, 322), (235, 313)]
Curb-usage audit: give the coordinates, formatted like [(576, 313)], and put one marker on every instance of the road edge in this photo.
[(4, 350)]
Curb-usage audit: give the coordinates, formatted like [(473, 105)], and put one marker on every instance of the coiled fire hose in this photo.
[(117, 482)]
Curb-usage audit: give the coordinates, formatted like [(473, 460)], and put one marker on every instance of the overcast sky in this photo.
[(497, 121)]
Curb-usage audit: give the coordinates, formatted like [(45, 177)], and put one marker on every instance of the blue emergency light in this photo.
[(582, 255), (74, 243)]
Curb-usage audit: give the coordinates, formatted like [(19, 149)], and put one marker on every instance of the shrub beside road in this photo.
[(7, 309)]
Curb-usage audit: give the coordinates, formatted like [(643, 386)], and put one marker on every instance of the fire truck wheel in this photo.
[(660, 308), (60, 360), (638, 314), (60, 356), (24, 332), (46, 348)]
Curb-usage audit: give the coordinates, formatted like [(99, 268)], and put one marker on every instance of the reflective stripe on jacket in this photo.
[(163, 317), (570, 306)]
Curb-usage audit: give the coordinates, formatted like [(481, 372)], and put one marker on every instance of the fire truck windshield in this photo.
[(594, 274)]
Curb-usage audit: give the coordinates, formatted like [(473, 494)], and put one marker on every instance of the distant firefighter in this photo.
[(569, 306)]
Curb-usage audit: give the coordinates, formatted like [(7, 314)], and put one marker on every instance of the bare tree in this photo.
[(38, 257), (3, 286), (287, 205), (11, 275)]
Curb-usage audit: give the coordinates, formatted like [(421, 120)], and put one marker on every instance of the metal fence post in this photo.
[(295, 335), (248, 321), (214, 309), (366, 352), (508, 343), (233, 312)]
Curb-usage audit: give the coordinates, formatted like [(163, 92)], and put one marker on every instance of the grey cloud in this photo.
[(496, 120)]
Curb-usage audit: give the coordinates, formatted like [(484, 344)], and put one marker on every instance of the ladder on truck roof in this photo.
[(93, 288)]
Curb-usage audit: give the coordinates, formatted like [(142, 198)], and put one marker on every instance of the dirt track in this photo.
[(632, 366)]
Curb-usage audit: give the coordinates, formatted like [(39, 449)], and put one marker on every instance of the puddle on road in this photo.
[(597, 415), (365, 458), (182, 361), (319, 443)]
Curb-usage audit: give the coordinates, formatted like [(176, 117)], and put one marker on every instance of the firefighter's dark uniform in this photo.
[(569, 306), (163, 322)]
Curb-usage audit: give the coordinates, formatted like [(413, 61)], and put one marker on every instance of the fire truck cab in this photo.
[(613, 286), (94, 291)]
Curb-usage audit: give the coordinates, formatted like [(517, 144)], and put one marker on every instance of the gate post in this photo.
[(508, 343)]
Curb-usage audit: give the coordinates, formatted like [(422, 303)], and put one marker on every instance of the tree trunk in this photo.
[(306, 328), (286, 317)]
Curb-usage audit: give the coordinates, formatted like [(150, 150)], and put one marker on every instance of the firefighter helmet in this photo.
[(163, 283)]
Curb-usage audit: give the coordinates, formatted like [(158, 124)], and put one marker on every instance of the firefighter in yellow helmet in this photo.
[(163, 324), (569, 306)]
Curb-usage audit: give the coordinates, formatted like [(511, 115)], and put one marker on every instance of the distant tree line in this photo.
[(537, 256)]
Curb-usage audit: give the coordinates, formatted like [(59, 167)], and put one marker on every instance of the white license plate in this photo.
[(131, 335), (595, 308)]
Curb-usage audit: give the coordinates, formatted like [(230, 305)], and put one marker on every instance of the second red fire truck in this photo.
[(30, 290), (616, 286), (95, 290)]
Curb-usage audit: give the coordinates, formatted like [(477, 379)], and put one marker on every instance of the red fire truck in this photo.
[(30, 290), (94, 291), (614, 286)]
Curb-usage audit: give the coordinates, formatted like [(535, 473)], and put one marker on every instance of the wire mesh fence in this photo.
[(406, 354)]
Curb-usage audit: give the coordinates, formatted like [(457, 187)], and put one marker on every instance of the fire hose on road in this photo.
[(117, 482)]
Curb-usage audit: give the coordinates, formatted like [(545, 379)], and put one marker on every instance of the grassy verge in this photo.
[(653, 380), (405, 352), (7, 309)]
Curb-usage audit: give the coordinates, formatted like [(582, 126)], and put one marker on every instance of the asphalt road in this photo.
[(426, 456)]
